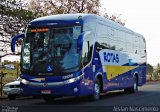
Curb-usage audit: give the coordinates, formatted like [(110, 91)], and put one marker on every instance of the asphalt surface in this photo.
[(147, 99)]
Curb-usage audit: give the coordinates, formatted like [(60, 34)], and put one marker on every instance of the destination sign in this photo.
[(40, 30)]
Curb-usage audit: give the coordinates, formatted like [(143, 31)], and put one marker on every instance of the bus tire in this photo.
[(48, 98), (134, 88), (96, 92)]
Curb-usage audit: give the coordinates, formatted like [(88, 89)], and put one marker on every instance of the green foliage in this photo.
[(52, 7), (11, 74), (13, 17), (149, 69), (15, 63), (158, 68)]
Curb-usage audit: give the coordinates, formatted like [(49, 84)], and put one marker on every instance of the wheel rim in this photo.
[(97, 91)]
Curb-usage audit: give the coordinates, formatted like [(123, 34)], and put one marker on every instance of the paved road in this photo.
[(148, 97)]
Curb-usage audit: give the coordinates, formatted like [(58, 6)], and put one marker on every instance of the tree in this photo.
[(52, 7), (116, 18), (49, 7), (13, 18), (157, 75), (150, 70)]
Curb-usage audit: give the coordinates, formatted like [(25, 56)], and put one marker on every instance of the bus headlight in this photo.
[(73, 79)]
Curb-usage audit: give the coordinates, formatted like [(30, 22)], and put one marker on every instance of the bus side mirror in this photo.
[(13, 41), (81, 37)]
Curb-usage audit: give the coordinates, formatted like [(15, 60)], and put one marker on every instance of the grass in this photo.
[(11, 74)]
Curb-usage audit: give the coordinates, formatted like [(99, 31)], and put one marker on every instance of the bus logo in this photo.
[(111, 57)]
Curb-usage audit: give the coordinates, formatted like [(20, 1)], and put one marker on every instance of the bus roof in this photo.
[(67, 17), (75, 18), (61, 18)]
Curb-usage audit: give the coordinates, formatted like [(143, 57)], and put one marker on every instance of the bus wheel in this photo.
[(134, 88), (96, 94), (48, 98)]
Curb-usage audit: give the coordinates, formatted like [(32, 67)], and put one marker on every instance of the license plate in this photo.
[(46, 92)]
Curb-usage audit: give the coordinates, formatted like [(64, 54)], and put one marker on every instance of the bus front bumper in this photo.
[(70, 87)]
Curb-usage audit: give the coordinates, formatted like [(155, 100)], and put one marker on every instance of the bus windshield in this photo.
[(51, 50)]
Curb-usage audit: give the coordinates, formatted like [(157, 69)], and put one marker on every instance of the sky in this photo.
[(142, 16)]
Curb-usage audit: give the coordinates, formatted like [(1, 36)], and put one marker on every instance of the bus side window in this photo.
[(85, 52)]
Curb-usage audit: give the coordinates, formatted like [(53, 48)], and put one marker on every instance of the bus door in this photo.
[(86, 61)]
